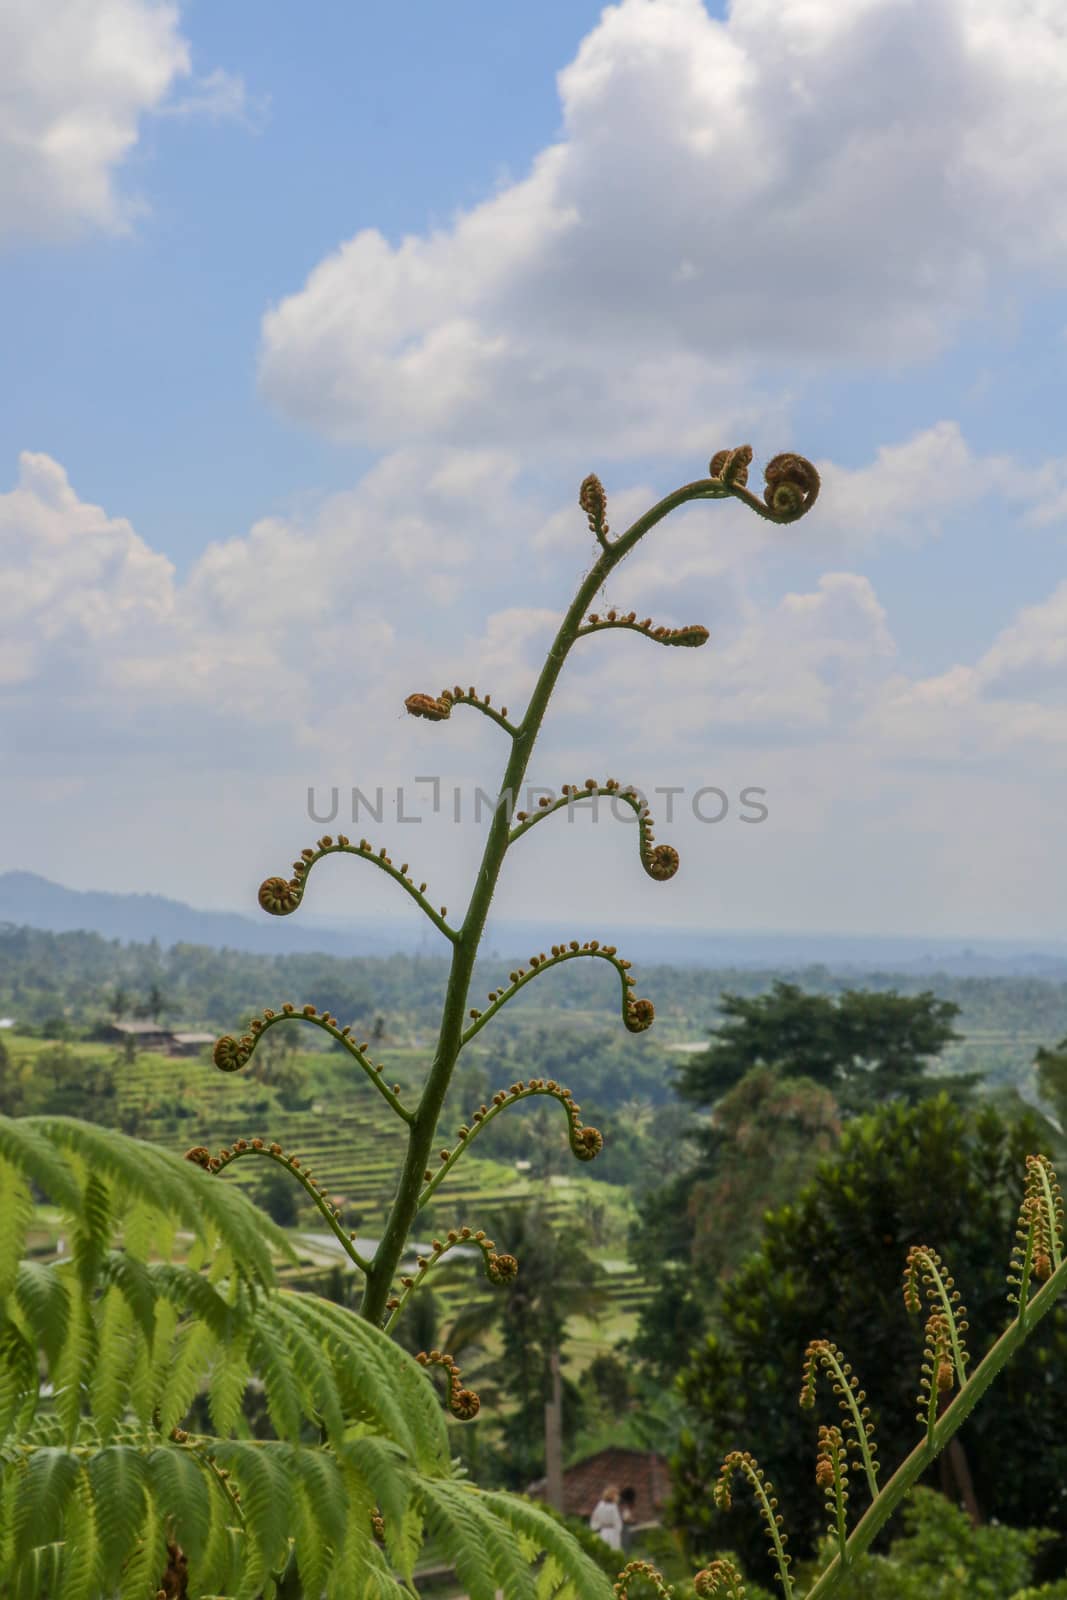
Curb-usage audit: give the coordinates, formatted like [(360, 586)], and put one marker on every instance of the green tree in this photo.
[(939, 1555), (155, 1004), (10, 1089), (865, 1045), (557, 1280), (1052, 1080), (830, 1266), (119, 1002), (766, 1138), (278, 1195)]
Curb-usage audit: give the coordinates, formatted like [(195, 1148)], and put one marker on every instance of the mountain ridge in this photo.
[(31, 900)]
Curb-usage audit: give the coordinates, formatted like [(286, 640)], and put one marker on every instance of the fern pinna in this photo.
[(105, 1493)]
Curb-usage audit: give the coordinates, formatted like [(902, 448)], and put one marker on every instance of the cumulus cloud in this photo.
[(283, 658), (801, 183), (1013, 698), (73, 578), (76, 81), (290, 628)]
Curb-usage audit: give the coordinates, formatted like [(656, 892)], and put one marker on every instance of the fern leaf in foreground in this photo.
[(100, 1484)]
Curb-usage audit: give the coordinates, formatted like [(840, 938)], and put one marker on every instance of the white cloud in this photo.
[(209, 705), (309, 625), (74, 579), (220, 96), (805, 182), (75, 80), (1014, 698)]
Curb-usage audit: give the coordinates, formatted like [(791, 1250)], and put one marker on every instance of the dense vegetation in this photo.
[(728, 1172), (53, 980)]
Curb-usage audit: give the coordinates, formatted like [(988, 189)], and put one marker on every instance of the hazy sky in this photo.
[(314, 319)]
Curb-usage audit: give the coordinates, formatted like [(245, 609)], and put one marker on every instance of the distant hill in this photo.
[(28, 900)]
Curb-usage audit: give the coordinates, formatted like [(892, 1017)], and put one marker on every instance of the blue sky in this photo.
[(314, 322)]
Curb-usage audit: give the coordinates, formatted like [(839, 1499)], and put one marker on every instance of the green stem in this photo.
[(423, 1127), (951, 1419)]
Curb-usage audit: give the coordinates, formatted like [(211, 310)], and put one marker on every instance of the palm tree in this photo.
[(556, 1281)]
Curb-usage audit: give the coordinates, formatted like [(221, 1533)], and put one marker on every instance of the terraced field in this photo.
[(350, 1140)]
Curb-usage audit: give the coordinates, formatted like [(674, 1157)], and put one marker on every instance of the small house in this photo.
[(190, 1044), (146, 1035), (640, 1476)]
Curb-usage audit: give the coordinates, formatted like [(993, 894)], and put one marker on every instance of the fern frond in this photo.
[(16, 1210), (310, 1363), (81, 1579), (44, 1488), (195, 1345), (179, 1483), (527, 1517), (262, 1471), (140, 1176), (379, 1381), (42, 1297), (118, 1480), (19, 1381), (76, 1359), (228, 1381), (272, 1360), (142, 1571), (108, 1387)]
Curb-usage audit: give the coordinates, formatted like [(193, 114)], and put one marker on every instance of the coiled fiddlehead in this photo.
[(660, 861), (438, 708), (637, 1014), (231, 1054), (463, 1403), (280, 897)]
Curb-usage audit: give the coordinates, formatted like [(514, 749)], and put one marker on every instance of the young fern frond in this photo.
[(329, 1212), (831, 1474), (462, 1402), (594, 502), (937, 1371), (851, 1400), (438, 708), (743, 1462), (281, 896), (690, 637), (637, 1015), (645, 1574), (659, 861), (792, 486), (586, 1143), (231, 1054), (1039, 1247), (498, 1268), (720, 1581), (1039, 1244)]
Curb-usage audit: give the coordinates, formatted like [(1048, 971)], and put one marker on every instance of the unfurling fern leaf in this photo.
[(97, 1477)]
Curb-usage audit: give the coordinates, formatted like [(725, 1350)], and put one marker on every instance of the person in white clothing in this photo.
[(607, 1518)]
